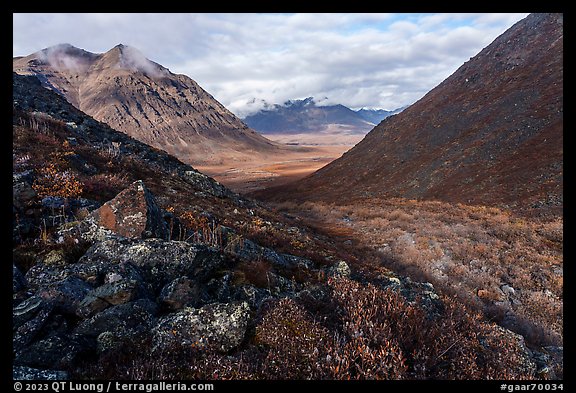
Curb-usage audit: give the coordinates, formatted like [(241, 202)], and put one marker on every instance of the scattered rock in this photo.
[(483, 293), (203, 182), (86, 230), (25, 176), (548, 361), (28, 331), (428, 290), (250, 251), (558, 270), (55, 351), (26, 310), (250, 294), (109, 294), (133, 213), (21, 373), (219, 289), (158, 261), (507, 289), (222, 325), (179, 293), (56, 258), (279, 285), (124, 320), (339, 269), (66, 294), (23, 195), (112, 341), (394, 281), (523, 354), (23, 226), (70, 204), (18, 280)]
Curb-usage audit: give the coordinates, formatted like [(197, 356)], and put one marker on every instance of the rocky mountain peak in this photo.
[(143, 99), (128, 58), (63, 57)]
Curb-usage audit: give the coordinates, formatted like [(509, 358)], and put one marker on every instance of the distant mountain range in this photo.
[(490, 134), (306, 116), (146, 101)]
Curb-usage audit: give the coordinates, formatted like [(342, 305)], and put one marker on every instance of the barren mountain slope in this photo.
[(491, 133), (145, 100)]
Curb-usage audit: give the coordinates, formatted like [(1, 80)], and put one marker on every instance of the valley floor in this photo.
[(304, 155), (508, 267)]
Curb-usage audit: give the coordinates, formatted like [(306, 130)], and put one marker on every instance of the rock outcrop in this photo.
[(218, 325), (133, 213), (130, 284)]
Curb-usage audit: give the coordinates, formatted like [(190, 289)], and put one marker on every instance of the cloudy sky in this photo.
[(358, 60)]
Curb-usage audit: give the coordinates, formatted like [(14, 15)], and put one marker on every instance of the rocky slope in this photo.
[(128, 263), (304, 116), (146, 101), (490, 134)]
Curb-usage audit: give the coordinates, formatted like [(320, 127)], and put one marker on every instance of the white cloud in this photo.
[(371, 60)]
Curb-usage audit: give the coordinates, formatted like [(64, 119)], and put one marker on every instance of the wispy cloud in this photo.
[(359, 60)]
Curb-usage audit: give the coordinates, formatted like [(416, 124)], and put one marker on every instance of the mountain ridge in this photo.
[(305, 116), (491, 133)]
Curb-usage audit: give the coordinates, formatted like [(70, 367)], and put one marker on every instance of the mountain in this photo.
[(305, 116), (375, 116), (490, 134), (146, 101)]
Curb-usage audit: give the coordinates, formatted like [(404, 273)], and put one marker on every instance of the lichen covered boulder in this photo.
[(218, 325), (133, 213), (158, 261)]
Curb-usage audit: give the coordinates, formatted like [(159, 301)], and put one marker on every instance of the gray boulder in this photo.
[(158, 261), (52, 352), (39, 275), (133, 213), (218, 325), (250, 251), (252, 295), (524, 355), (109, 294), (26, 310), (179, 293), (26, 332), (18, 280), (124, 319), (339, 269), (66, 294), (22, 373)]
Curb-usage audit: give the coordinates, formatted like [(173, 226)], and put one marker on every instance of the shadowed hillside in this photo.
[(490, 134)]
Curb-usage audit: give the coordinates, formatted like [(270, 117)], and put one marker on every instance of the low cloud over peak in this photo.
[(132, 59), (358, 60), (66, 56)]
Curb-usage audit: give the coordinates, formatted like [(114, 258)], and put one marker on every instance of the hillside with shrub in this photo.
[(129, 264)]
